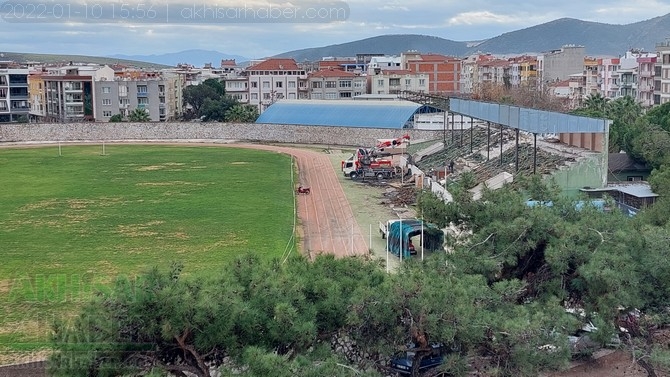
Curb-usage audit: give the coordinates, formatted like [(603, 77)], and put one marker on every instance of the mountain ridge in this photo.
[(598, 38)]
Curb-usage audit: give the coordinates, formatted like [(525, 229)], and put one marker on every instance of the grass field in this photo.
[(70, 224)]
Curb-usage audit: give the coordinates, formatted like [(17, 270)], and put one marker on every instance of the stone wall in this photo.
[(38, 132)]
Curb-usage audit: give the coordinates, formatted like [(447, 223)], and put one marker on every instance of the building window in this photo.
[(408, 82), (345, 95), (316, 95), (266, 95), (254, 96), (107, 114), (279, 84), (107, 102), (316, 84), (291, 96), (254, 84), (143, 101), (291, 84), (345, 83), (123, 90), (358, 93), (106, 89), (266, 85), (331, 95), (422, 82), (331, 84), (380, 83)]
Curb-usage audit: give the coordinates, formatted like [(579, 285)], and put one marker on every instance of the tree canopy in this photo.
[(209, 102)]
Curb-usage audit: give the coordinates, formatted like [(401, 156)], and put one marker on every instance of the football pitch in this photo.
[(71, 223)]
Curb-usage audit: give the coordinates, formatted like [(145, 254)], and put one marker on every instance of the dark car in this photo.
[(402, 362)]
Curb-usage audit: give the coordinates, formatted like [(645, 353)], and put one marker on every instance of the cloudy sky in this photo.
[(257, 28)]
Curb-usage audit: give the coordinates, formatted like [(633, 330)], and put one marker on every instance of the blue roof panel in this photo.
[(345, 113)]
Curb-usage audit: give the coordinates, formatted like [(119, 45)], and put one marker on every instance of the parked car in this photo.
[(402, 362)]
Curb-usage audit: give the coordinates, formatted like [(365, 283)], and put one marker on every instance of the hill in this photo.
[(598, 38), (22, 57), (383, 44), (194, 57)]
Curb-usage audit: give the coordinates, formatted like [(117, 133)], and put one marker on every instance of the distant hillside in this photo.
[(598, 38), (196, 58), (21, 57), (383, 44)]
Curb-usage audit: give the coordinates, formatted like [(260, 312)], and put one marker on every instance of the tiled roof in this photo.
[(275, 64), (436, 57)]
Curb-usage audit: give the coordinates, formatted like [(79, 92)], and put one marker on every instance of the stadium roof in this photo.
[(345, 113)]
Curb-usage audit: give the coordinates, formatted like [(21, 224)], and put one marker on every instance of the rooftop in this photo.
[(275, 64), (346, 113)]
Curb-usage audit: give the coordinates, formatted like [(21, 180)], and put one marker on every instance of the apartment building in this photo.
[(558, 65), (155, 93), (36, 93), (468, 74), (608, 76), (443, 71), (275, 79), (662, 73), (645, 80), (496, 72), (69, 94), (384, 63), (335, 84), (14, 97), (396, 81), (237, 86), (591, 76), (527, 71)]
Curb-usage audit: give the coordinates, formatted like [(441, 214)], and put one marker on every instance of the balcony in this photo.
[(646, 74), (142, 94), (142, 106)]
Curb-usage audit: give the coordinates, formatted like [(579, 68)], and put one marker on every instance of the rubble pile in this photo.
[(400, 196)]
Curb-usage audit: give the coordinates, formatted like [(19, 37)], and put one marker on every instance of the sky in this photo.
[(261, 28)]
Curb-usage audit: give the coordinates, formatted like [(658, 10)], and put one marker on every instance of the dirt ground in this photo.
[(613, 364)]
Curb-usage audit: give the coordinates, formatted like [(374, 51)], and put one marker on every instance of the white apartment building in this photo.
[(395, 81), (662, 73), (68, 92), (645, 80), (275, 79), (384, 63), (335, 84)]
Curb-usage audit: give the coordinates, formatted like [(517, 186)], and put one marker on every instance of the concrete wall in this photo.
[(206, 131), (587, 172)]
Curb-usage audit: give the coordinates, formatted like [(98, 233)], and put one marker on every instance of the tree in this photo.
[(624, 112), (116, 118), (195, 96), (242, 113), (596, 102), (139, 115), (214, 110), (660, 115)]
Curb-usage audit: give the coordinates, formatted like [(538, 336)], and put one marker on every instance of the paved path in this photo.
[(328, 223)]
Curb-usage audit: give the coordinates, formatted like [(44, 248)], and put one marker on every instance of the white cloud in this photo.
[(394, 8), (486, 17)]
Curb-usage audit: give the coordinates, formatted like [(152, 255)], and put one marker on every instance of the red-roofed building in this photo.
[(443, 71), (274, 79), (335, 84)]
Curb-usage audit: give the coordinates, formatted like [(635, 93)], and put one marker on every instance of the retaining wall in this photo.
[(40, 132)]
